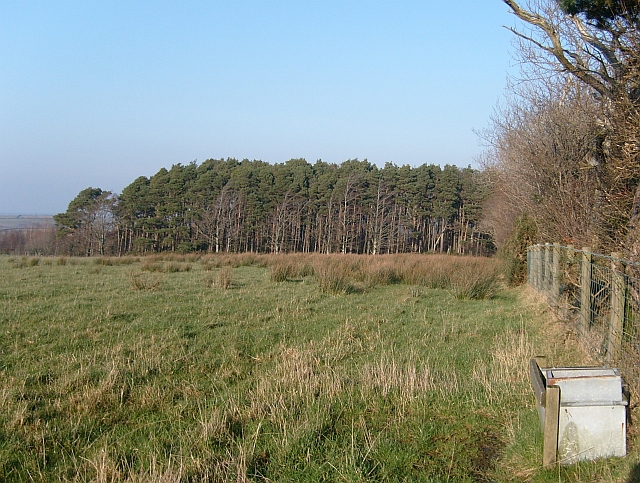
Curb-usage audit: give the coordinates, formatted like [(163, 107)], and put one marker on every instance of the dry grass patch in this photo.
[(145, 281), (465, 277), (287, 267), (224, 278), (409, 379)]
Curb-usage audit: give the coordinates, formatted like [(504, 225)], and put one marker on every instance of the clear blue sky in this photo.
[(99, 93)]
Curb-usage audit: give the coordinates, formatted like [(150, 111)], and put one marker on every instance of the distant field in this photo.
[(289, 369), (13, 222)]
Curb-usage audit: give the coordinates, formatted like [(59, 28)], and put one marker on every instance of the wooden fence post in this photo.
[(539, 267), (551, 422), (555, 274), (534, 268), (585, 289), (616, 324), (569, 266), (547, 269)]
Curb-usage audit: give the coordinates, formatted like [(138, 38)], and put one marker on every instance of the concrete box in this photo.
[(592, 416)]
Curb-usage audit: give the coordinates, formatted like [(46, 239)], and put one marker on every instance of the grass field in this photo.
[(287, 369)]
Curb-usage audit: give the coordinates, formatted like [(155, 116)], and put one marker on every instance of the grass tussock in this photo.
[(289, 267), (233, 260), (173, 257), (465, 277), (387, 375), (145, 281), (22, 263), (116, 261), (165, 267), (335, 277), (476, 279), (224, 278)]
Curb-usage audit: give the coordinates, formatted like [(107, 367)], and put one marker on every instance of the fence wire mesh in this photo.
[(599, 295)]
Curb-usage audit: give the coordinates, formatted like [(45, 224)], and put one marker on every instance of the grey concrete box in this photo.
[(592, 412)]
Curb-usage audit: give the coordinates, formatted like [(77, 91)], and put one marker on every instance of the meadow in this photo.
[(286, 368)]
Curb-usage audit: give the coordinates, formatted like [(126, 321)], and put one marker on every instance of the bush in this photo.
[(514, 251)]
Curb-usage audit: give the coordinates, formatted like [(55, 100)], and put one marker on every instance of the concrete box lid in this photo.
[(586, 386)]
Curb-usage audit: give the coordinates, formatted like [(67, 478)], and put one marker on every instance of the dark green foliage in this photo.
[(252, 206), (88, 222), (601, 11), (514, 250)]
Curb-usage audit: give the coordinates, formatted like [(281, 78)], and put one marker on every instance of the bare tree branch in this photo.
[(557, 49)]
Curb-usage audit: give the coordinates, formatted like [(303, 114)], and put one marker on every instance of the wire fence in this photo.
[(598, 294)]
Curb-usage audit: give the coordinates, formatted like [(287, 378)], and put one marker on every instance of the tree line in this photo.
[(253, 206), (37, 240)]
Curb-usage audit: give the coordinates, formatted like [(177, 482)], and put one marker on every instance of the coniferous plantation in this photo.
[(252, 206)]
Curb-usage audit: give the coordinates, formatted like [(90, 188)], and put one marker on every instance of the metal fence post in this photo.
[(618, 290), (585, 289)]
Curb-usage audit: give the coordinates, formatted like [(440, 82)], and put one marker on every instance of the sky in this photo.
[(99, 93)]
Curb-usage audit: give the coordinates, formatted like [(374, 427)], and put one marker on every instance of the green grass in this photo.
[(146, 370)]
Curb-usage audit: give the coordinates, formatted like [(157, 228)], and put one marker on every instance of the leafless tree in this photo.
[(564, 149)]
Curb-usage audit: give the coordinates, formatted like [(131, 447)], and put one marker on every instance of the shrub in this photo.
[(514, 251)]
